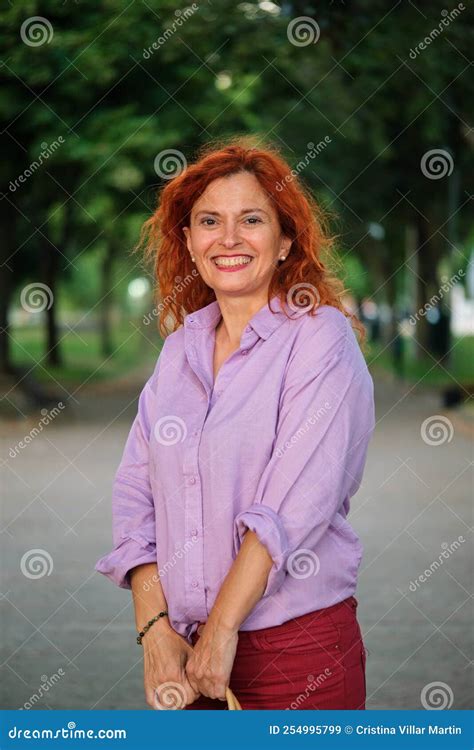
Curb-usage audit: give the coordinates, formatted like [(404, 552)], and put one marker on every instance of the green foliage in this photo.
[(115, 101)]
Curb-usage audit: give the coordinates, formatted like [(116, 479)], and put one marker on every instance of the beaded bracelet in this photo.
[(148, 626)]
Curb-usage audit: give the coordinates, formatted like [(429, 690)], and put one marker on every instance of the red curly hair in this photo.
[(179, 288)]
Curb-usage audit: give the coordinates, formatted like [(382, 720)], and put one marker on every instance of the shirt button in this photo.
[(196, 432), (194, 583), (248, 329), (192, 480), (244, 351), (194, 532)]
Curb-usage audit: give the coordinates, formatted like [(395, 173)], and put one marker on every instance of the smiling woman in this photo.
[(292, 213), (231, 498), (228, 239)]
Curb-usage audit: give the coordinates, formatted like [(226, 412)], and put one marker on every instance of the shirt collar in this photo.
[(263, 322)]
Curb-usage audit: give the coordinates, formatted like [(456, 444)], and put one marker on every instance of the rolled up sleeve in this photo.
[(325, 422), (133, 512)]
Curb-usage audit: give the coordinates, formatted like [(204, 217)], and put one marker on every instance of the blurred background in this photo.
[(101, 104)]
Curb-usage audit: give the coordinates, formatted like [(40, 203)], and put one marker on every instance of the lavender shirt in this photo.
[(277, 444)]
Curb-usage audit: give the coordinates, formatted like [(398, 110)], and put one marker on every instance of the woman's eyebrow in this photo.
[(244, 211)]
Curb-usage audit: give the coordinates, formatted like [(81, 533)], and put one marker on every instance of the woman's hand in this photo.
[(165, 657), (210, 665)]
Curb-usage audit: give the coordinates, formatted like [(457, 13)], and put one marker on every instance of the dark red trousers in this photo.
[(315, 661)]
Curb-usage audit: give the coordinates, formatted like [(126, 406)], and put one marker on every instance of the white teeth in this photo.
[(239, 260)]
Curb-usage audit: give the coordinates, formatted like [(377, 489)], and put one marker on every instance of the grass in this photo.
[(136, 346), (133, 346), (459, 366)]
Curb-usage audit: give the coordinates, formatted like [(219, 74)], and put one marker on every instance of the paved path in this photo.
[(75, 630)]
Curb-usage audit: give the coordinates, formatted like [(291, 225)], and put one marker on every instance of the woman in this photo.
[(230, 501)]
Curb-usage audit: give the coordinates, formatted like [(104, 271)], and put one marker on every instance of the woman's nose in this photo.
[(230, 237)]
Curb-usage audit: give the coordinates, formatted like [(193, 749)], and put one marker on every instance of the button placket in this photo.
[(193, 518)]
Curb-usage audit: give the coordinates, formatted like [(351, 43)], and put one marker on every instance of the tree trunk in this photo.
[(6, 283), (51, 262), (427, 282), (106, 343)]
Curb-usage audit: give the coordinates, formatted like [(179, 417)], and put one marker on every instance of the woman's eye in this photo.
[(208, 221)]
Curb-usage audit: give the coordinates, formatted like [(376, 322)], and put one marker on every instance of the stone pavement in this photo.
[(68, 636)]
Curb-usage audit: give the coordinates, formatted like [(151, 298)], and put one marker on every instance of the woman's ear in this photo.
[(286, 245), (188, 238)]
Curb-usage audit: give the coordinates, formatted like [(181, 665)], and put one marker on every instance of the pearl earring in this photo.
[(193, 258), (282, 257)]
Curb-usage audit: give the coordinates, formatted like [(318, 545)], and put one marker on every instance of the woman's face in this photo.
[(235, 235)]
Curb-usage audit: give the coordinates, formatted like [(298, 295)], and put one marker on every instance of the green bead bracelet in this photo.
[(148, 626)]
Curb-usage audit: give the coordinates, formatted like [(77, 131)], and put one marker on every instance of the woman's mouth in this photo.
[(231, 262)]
